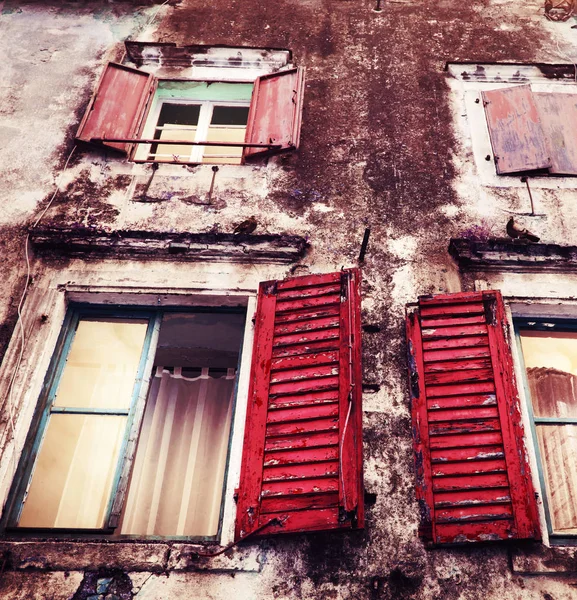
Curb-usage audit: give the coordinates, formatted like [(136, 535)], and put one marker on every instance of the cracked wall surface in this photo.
[(386, 143)]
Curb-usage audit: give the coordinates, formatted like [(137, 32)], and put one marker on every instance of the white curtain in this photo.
[(177, 479)]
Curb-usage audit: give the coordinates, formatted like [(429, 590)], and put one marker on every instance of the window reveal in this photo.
[(550, 357), (84, 455)]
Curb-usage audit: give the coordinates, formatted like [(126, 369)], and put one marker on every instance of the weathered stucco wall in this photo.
[(386, 144)]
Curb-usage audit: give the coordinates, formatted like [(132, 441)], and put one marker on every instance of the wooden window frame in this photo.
[(196, 152), (119, 491), (538, 324)]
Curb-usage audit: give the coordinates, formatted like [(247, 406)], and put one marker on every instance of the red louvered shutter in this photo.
[(275, 113), (473, 481), (302, 460), (517, 136), (118, 106)]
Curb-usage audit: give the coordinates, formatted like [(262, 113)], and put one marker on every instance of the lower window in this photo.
[(132, 435), (550, 354)]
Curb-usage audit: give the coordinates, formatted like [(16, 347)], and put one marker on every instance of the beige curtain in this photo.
[(176, 485), (554, 394)]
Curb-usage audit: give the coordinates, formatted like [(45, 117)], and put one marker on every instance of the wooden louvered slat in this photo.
[(470, 482), (467, 443), (492, 530), (445, 321), (458, 365), (315, 346), (300, 400), (463, 401), (474, 513), (283, 429), (471, 453), (471, 498), (307, 292), (301, 471), (453, 354), (469, 467), (306, 439), (307, 314), (304, 520), (300, 455), (461, 414), (304, 360), (309, 466), (459, 376), (291, 488), (299, 502), (308, 325), (302, 413), (467, 440), (464, 427), (306, 336), (304, 372), (314, 302)]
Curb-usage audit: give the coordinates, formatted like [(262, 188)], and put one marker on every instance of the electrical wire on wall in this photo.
[(8, 403)]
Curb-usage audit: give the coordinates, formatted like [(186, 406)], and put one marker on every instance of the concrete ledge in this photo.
[(508, 255), (214, 247), (185, 558), (62, 555), (541, 560)]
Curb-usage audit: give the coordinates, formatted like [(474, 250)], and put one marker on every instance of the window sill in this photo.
[(154, 557), (543, 560)]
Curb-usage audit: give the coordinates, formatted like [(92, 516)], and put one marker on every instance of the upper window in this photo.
[(197, 121), (549, 351), (193, 112), (521, 119)]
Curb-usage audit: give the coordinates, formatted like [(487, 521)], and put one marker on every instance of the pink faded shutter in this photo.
[(117, 107), (302, 456), (276, 112), (473, 481), (517, 137), (558, 113)]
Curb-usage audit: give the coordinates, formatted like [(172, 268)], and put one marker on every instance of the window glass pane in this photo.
[(102, 364), (178, 475), (175, 122), (558, 446), (551, 362), (74, 472), (229, 115), (228, 124)]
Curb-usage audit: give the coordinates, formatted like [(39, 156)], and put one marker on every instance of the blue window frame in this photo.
[(548, 350), (93, 407)]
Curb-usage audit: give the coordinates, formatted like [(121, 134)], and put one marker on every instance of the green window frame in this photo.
[(134, 412), (522, 324)]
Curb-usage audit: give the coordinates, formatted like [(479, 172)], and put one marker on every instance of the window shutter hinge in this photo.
[(344, 286), (235, 495)]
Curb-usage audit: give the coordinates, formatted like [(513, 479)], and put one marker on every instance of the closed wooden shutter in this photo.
[(558, 114), (117, 108), (473, 481), (301, 468), (517, 137), (276, 112)]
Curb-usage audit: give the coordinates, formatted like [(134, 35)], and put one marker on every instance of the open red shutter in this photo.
[(558, 113), (117, 107), (517, 137), (276, 112), (302, 461), (473, 481)]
